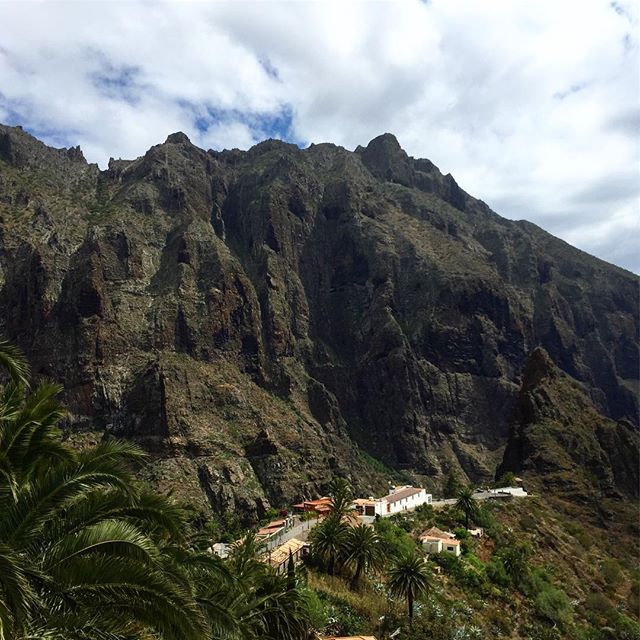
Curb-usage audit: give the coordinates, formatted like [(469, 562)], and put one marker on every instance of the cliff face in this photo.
[(260, 319), (561, 441)]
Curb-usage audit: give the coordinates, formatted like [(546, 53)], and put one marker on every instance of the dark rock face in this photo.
[(561, 440), (257, 319)]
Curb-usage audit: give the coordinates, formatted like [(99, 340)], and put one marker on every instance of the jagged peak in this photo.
[(21, 148), (272, 144), (386, 141), (385, 159), (178, 138)]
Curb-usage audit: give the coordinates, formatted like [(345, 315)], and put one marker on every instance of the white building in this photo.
[(518, 492), (221, 549), (405, 499), (435, 540), (370, 506)]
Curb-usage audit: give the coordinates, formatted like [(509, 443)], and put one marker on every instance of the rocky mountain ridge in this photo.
[(263, 320), (563, 444)]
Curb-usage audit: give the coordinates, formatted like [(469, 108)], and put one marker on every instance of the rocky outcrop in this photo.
[(263, 320), (561, 441)]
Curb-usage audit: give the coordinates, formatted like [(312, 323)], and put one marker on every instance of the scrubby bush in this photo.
[(536, 580), (597, 605), (497, 573), (554, 605), (611, 573), (633, 602), (317, 608), (424, 515), (466, 540), (395, 540)]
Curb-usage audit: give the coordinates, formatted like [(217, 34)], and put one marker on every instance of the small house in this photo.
[(274, 528), (321, 506), (435, 540), (279, 557)]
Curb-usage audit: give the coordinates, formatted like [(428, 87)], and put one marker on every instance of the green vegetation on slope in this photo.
[(544, 569), (89, 553)]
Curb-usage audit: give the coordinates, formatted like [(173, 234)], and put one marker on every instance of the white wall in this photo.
[(514, 491), (409, 503), (432, 546)]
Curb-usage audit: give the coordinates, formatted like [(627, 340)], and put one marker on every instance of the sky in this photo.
[(534, 107)]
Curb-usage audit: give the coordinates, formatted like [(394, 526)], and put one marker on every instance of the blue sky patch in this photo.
[(269, 68), (119, 82), (263, 125)]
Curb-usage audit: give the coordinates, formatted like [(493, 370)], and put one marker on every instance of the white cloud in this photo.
[(532, 106)]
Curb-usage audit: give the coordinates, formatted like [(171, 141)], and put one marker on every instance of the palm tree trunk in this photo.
[(466, 518), (410, 607), (330, 565), (355, 581)]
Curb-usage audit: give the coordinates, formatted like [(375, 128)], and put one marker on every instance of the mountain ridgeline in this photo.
[(264, 320)]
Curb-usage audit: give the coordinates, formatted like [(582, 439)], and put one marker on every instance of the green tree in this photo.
[(291, 572), (467, 504), (451, 485), (329, 539), (515, 558), (409, 578), (87, 552), (508, 479), (363, 551), (341, 497)]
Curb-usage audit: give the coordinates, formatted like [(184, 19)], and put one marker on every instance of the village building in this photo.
[(399, 499), (279, 557), (405, 499), (370, 506), (274, 528), (435, 540), (516, 492), (321, 506), (221, 549)]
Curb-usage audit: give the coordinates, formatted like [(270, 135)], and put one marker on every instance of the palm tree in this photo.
[(409, 578), (329, 540), (341, 497), (91, 550), (88, 553), (81, 544), (363, 550), (515, 558), (467, 504)]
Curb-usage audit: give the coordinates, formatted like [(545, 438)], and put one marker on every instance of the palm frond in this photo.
[(13, 360)]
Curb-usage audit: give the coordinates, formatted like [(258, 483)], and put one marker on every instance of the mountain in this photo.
[(263, 320), (560, 441)]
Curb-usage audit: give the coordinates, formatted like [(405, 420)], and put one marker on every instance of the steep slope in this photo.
[(562, 442), (258, 318)]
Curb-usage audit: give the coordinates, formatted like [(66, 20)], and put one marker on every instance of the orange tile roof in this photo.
[(363, 501), (275, 524)]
